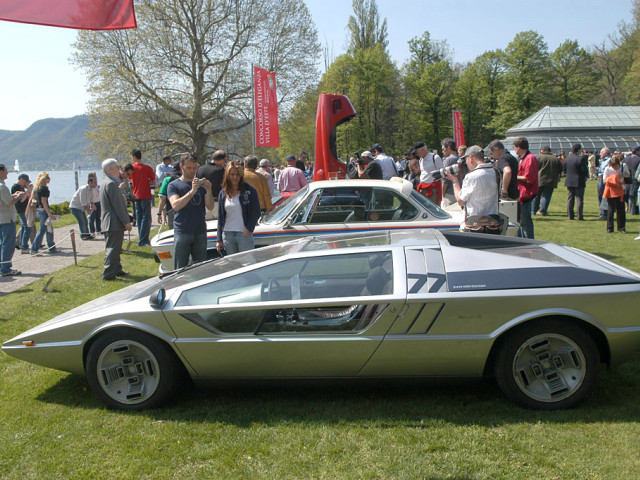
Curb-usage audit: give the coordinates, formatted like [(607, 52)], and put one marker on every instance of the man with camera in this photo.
[(189, 196), (367, 167), (430, 187), (478, 194)]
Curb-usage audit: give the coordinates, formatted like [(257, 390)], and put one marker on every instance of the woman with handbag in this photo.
[(41, 196), (614, 193)]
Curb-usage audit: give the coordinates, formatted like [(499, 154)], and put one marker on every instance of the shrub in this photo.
[(60, 208)]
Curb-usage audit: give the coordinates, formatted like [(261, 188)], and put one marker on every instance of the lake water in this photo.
[(63, 182)]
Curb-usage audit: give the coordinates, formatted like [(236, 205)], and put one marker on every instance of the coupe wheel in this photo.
[(128, 369), (547, 366)]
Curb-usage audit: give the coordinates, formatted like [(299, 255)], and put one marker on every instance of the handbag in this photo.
[(30, 211), (484, 224)]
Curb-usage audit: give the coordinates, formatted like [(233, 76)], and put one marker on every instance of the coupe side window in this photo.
[(387, 205), (325, 277), (340, 205)]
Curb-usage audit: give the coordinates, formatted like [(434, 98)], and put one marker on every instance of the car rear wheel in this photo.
[(548, 366), (128, 369)]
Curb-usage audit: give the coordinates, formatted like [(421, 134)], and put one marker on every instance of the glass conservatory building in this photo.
[(594, 127)]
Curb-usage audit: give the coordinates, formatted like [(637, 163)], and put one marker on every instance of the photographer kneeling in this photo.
[(478, 194)]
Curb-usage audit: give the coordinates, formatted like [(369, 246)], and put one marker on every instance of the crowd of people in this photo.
[(237, 192), (525, 177)]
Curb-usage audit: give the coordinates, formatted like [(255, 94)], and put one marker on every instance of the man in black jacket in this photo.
[(576, 169), (630, 190)]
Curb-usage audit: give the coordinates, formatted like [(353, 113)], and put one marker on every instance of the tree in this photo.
[(370, 80), (429, 79), (181, 80), (365, 28), (476, 96), (614, 59), (527, 78), (574, 78)]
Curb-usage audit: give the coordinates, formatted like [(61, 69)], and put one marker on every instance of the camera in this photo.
[(452, 169), (199, 181)]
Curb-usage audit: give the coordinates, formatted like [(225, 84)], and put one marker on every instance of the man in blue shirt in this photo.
[(189, 196)]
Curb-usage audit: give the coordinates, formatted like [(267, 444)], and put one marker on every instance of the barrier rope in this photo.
[(41, 253)]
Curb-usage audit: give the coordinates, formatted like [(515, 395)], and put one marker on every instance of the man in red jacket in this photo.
[(142, 178), (527, 183)]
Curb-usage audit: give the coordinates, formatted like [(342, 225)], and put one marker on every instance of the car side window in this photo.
[(340, 205), (388, 206), (324, 277)]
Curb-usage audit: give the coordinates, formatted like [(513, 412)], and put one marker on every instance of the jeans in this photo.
[(603, 213), (542, 200), (94, 219), (235, 242), (82, 222), (526, 223), (143, 214), (189, 244), (25, 232), (42, 216), (7, 245)]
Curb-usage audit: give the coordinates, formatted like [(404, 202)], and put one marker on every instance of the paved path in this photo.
[(34, 267)]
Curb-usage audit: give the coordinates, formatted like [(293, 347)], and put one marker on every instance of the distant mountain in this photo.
[(52, 143)]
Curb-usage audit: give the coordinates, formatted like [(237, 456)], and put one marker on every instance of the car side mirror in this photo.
[(157, 298)]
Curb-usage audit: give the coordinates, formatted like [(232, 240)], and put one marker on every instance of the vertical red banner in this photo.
[(458, 128), (266, 108)]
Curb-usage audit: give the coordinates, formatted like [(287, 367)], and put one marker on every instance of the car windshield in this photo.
[(215, 267), (432, 208), (282, 211)]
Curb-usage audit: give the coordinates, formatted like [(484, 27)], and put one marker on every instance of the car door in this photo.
[(333, 210), (321, 315)]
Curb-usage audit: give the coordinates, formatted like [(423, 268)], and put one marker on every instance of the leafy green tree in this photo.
[(631, 82), (574, 78), (182, 79), (297, 131), (365, 29), (476, 96), (527, 80), (429, 79), (370, 80)]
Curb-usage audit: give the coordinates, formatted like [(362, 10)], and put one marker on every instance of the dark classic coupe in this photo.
[(535, 315)]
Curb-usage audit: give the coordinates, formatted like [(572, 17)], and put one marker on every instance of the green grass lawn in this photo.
[(51, 425)]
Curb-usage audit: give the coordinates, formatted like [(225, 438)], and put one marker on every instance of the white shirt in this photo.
[(81, 198), (427, 165), (480, 191), (234, 221)]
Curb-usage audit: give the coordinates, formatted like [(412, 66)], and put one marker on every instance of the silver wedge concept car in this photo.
[(535, 315)]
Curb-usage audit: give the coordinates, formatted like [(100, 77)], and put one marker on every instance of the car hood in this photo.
[(104, 305)]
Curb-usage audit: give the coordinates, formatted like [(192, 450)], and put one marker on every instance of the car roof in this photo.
[(396, 183)]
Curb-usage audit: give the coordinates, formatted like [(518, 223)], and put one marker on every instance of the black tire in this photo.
[(131, 370), (550, 365)]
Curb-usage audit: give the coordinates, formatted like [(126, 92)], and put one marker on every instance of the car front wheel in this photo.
[(548, 366), (128, 369)]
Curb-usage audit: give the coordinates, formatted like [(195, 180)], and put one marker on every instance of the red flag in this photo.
[(79, 14), (458, 129), (266, 108)]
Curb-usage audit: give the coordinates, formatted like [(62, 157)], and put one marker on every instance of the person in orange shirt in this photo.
[(614, 193)]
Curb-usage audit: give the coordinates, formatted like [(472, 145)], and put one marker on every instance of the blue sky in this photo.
[(37, 81)]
